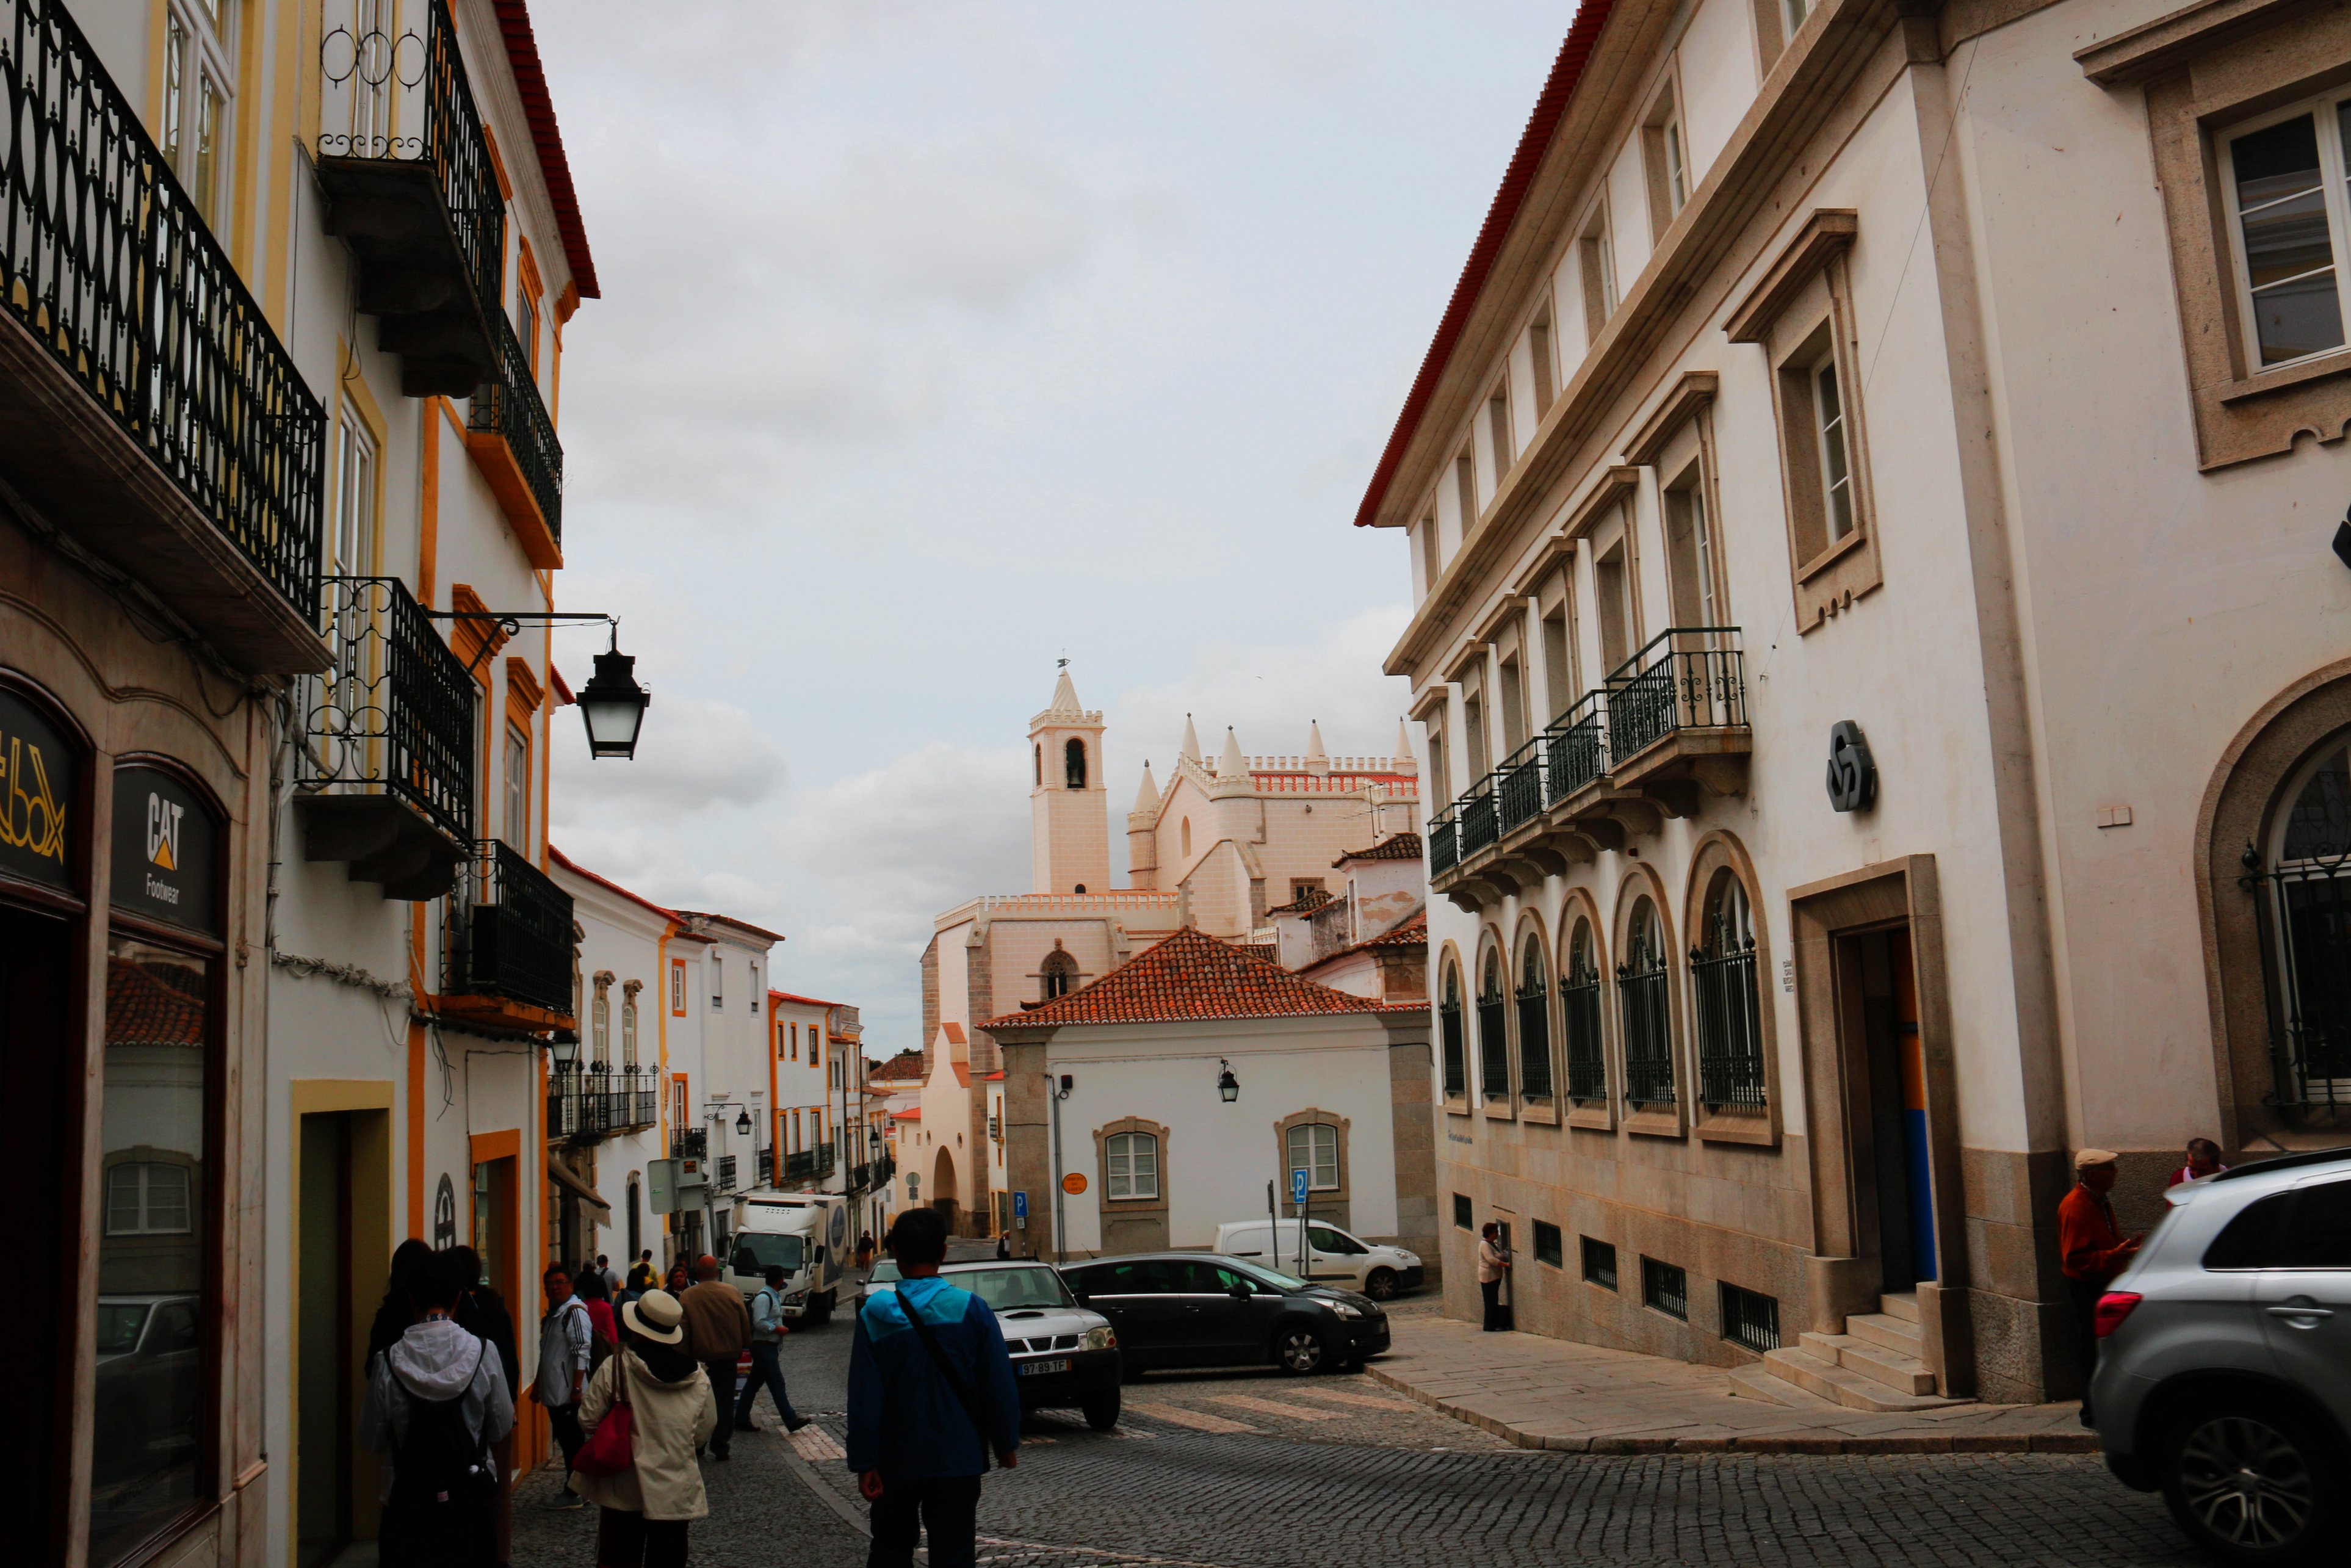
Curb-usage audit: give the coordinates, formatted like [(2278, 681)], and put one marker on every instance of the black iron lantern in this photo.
[(742, 1124), (1228, 1088), (564, 1047), (613, 705)]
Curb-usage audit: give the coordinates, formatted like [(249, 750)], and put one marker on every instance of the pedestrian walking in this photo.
[(398, 1308), (482, 1312), (931, 1391), (2092, 1249), (642, 1275), (565, 1337), (592, 1295), (2203, 1160), (647, 1509), (610, 1276), (1493, 1268), (680, 1280), (717, 1327), (865, 1249), (767, 1333), (436, 1402)]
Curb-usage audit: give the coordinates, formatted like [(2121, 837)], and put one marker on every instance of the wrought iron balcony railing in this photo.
[(108, 263), (726, 1173), (412, 187), (396, 714), (800, 1165), (590, 1102), (825, 1157), (1691, 677), (859, 1176), (689, 1143), (508, 407), (884, 1169), (509, 932), (1480, 823), (766, 1165), (1576, 748), (1519, 788), (1444, 841)]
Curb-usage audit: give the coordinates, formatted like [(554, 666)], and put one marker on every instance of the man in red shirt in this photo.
[(2203, 1160), (2091, 1249)]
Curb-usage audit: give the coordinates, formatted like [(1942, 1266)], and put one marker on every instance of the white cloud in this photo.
[(694, 755)]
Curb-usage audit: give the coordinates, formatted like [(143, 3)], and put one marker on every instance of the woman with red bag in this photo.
[(645, 1411)]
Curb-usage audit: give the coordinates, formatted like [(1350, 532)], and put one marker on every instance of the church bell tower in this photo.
[(1069, 804)]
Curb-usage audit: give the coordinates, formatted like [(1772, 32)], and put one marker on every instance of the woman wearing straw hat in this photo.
[(647, 1508)]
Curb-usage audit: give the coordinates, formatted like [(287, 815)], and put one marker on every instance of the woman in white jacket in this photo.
[(648, 1507)]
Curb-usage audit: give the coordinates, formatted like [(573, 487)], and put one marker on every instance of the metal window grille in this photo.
[(1730, 1016), (1665, 1288), (1493, 1042), (2306, 910), (1751, 1319), (689, 1143), (1578, 1008), (1644, 1005), (1690, 677), (1535, 1038), (396, 714), (108, 264), (726, 1173), (1547, 1244), (1600, 1262), (1577, 747), (1449, 1027)]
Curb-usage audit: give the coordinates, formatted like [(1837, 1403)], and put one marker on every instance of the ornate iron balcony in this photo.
[(859, 1177), (726, 1173), (1444, 841), (766, 1166), (689, 1143), (1691, 677), (799, 1167), (1576, 746), (509, 933), (1475, 810), (411, 190), (512, 439), (108, 264), (1519, 789), (593, 1100)]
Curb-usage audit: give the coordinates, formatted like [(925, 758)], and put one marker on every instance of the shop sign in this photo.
[(37, 783), (164, 850)]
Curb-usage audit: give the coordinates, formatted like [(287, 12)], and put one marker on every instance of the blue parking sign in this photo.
[(1298, 1186), (1019, 1206)]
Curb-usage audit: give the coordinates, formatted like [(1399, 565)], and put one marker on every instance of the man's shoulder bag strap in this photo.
[(964, 1392)]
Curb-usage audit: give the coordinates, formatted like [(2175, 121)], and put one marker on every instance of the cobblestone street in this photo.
[(1250, 1470)]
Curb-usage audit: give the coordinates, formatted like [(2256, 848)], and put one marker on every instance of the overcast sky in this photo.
[(940, 340)]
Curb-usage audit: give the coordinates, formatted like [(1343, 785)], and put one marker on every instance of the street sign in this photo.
[(1019, 1206), (1074, 1183), (1298, 1186)]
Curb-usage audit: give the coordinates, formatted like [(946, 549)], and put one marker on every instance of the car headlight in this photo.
[(1345, 1311), (1102, 1338), (796, 1298)]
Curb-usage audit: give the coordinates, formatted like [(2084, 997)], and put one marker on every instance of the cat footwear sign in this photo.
[(164, 843)]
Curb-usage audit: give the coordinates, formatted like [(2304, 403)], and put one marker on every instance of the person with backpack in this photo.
[(931, 1391), (566, 1338), (482, 1312), (642, 1275), (649, 1502), (767, 1333), (436, 1402)]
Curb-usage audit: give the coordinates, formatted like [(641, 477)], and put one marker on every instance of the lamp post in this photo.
[(613, 705)]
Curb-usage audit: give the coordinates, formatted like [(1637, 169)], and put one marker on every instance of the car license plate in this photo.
[(1037, 1368)]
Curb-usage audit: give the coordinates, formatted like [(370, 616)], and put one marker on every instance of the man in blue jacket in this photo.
[(920, 1423)]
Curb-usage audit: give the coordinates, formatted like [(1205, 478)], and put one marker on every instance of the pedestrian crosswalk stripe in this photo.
[(1268, 1407), (1339, 1396), (1198, 1420)]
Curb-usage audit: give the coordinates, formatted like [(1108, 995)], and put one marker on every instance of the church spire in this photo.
[(1405, 761), (1191, 739), (1147, 795), (1231, 764), (1318, 761), (1065, 704)]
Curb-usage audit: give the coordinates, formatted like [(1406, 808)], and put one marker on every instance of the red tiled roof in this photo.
[(1551, 107), (144, 1006), (907, 1066), (803, 1001), (1394, 847), (539, 107), (607, 883), (963, 1073), (914, 1115), (1191, 976), (1311, 898), (738, 925)]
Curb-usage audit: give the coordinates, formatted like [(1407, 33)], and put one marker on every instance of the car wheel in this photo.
[(2251, 1487), (1382, 1285), (1302, 1349), (1101, 1410)]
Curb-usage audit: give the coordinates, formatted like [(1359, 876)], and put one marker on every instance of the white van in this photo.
[(1333, 1257), (805, 1232)]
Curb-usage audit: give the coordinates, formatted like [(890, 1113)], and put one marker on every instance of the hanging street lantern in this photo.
[(1228, 1087), (614, 704), (742, 1124), (565, 1049)]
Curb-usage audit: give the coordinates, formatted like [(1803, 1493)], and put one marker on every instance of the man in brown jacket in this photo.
[(717, 1327)]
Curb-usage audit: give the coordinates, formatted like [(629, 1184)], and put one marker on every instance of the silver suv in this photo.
[(2224, 1360)]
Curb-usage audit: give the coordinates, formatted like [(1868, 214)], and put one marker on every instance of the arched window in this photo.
[(2310, 857), (1313, 1147), (1133, 1162), (629, 1025), (1730, 1013), (1040, 749), (1449, 1023), (1073, 763), (1059, 973), (1579, 1008), (1643, 1002), (1534, 1024), (601, 1029), (1188, 838), (1493, 1032)]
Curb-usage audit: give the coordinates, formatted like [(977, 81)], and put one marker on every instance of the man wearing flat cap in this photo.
[(2091, 1249)]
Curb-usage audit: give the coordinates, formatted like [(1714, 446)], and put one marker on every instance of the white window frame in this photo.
[(2333, 174), (1121, 1180), (144, 1205), (196, 54), (1838, 518), (1316, 1147), (1677, 183), (516, 769), (350, 537)]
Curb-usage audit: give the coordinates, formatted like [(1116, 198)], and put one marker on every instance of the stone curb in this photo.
[(1775, 1443)]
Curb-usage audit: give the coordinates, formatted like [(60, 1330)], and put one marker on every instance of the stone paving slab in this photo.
[(1541, 1393)]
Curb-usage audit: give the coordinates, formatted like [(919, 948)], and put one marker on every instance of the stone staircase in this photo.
[(1875, 1364)]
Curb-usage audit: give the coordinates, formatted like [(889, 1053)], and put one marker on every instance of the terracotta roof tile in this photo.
[(905, 1067), (1395, 847), (1310, 899), (1192, 976), (152, 1005)]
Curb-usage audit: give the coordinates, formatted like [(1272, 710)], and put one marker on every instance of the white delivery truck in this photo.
[(807, 1233)]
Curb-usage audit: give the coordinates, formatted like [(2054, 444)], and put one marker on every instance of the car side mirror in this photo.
[(1241, 1293)]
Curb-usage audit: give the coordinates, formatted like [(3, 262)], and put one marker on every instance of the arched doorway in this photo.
[(942, 1186)]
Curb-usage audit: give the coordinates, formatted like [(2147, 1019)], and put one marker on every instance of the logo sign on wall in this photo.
[(1853, 772), (163, 850), (37, 784), (1074, 1183)]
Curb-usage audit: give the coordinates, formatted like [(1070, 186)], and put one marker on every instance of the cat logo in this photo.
[(163, 831)]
